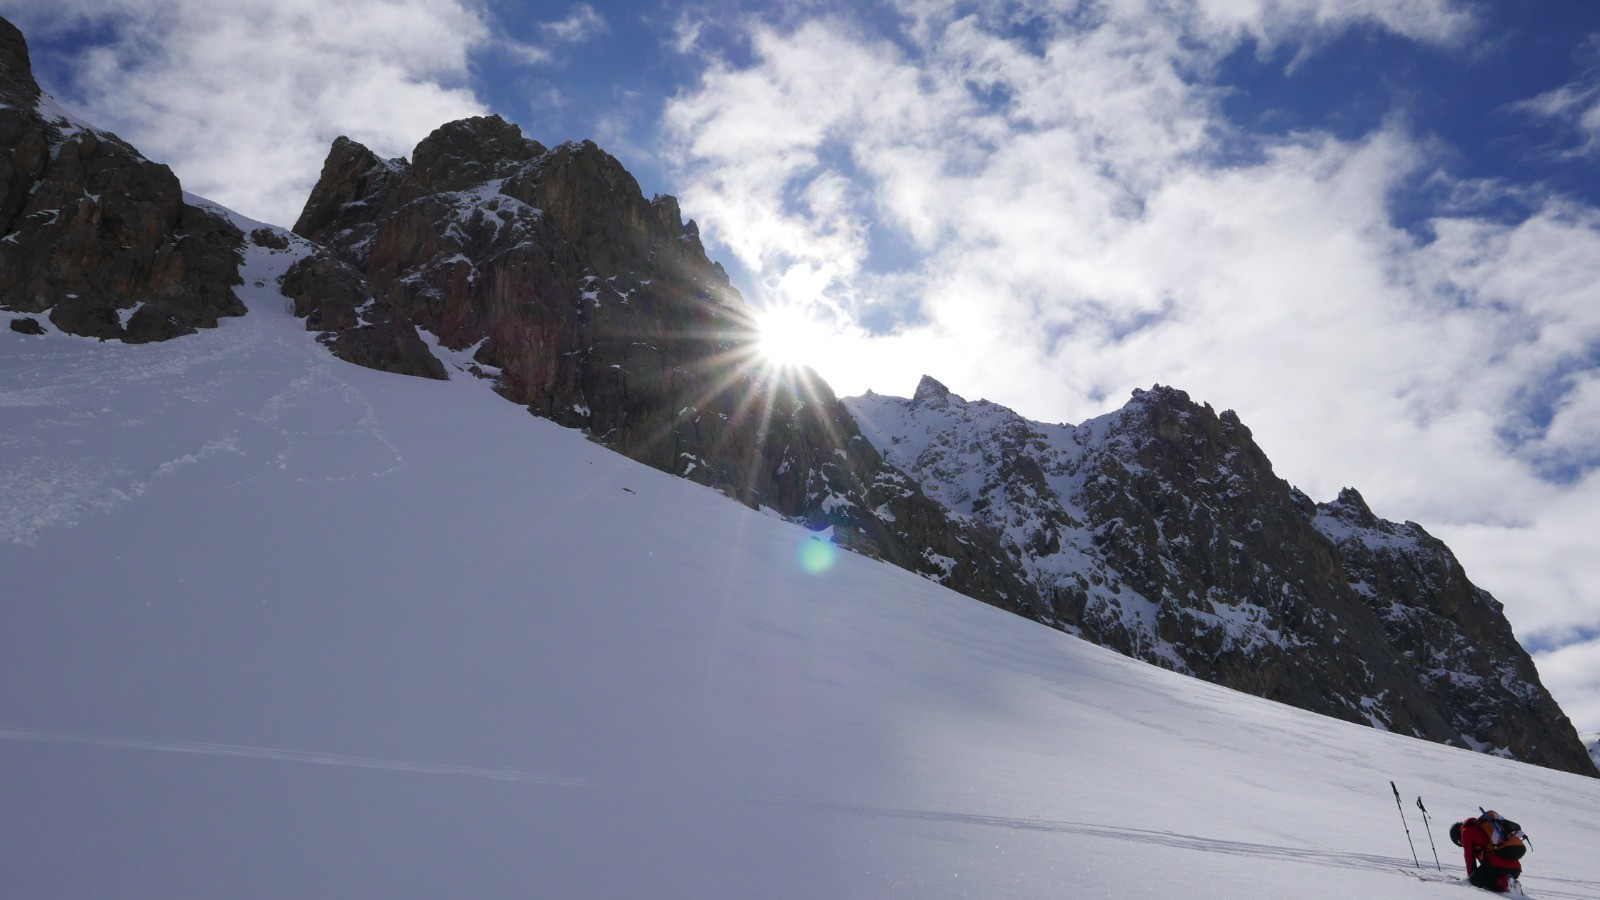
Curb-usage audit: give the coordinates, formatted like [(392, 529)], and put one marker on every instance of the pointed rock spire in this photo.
[(16, 69), (1353, 508), (932, 393)]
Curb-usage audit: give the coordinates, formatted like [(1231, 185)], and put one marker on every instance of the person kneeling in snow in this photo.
[(1493, 847)]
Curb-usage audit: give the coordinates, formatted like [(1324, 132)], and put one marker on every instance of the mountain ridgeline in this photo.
[(599, 310), (1159, 530)]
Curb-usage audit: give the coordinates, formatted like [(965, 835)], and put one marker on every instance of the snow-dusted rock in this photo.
[(1451, 632), (93, 233), (598, 309), (107, 244), (1161, 531)]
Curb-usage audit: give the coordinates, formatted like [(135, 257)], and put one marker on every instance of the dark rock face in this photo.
[(96, 235), (1196, 522), (1453, 634), (598, 309), (25, 148), (100, 238), (355, 325), (1161, 531)]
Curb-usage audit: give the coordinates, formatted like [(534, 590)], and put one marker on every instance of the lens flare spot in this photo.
[(817, 553)]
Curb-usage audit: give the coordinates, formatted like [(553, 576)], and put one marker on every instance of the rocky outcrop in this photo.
[(94, 234), (599, 309), (24, 144), (1161, 531), (1452, 634), (102, 241), (355, 325)]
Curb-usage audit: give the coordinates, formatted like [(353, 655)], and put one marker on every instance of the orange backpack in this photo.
[(1506, 839)]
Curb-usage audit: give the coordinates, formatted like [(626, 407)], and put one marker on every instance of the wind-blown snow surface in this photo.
[(278, 626)]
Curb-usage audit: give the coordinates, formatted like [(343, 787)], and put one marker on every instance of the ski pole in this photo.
[(1429, 825), (1401, 806)]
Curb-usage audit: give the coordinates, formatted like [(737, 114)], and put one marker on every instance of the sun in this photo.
[(790, 336)]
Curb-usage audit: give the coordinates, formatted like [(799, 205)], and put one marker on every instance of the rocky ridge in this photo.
[(1160, 530), (105, 244), (1452, 634), (599, 309), (94, 235)]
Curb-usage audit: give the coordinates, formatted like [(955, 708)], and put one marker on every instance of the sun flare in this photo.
[(791, 337)]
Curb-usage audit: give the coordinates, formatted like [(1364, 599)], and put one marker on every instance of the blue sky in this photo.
[(1371, 228)]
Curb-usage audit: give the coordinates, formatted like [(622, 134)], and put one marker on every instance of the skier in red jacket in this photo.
[(1488, 866)]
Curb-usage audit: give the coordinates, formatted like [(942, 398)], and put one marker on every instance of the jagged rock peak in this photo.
[(1352, 507), (483, 166), (471, 151), (350, 175), (1160, 531), (667, 207), (16, 68), (670, 215), (1170, 415), (1162, 396), (1161, 392), (933, 393)]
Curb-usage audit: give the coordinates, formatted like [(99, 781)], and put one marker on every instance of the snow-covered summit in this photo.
[(1160, 530), (1453, 633)]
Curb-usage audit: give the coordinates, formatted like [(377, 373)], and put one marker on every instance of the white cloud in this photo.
[(1274, 21), (686, 32), (1051, 215), (1574, 430), (1574, 107), (580, 25), (242, 99), (1573, 674)]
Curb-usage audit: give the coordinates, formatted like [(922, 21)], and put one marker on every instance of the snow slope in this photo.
[(278, 626)]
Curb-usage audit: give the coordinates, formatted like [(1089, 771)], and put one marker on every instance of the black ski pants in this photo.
[(1488, 876)]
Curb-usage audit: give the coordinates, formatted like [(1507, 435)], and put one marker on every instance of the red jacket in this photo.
[(1475, 844)]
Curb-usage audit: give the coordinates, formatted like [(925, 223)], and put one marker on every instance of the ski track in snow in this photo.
[(304, 757), (1570, 888), (274, 754)]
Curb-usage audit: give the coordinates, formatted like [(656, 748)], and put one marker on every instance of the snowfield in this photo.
[(278, 626)]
